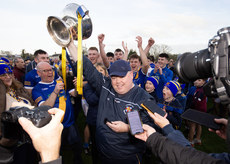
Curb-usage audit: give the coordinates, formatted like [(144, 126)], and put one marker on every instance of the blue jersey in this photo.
[(139, 78), (166, 76), (32, 78), (41, 93)]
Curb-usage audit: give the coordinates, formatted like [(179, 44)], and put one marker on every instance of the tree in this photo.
[(158, 49), (131, 52), (25, 55), (8, 53)]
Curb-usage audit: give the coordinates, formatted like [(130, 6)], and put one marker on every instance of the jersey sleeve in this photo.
[(29, 81), (37, 96)]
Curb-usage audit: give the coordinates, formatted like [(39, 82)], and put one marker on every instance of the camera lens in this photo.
[(192, 66)]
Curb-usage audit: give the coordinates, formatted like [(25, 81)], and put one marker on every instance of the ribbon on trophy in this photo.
[(63, 65), (80, 14)]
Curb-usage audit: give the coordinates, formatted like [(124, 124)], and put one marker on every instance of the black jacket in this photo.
[(171, 152), (112, 107)]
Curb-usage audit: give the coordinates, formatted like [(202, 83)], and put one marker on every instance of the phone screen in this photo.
[(135, 122)]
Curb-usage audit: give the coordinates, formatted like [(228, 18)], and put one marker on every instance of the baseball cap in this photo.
[(119, 68)]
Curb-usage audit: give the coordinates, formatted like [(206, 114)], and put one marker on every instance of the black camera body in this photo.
[(11, 128), (211, 62)]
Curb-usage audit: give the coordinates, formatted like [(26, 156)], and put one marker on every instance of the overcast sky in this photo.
[(184, 25)]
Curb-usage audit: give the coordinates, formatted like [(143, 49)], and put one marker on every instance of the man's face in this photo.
[(118, 55), (20, 64), (42, 58), (122, 84), (110, 59), (134, 64), (162, 61), (46, 73), (93, 55)]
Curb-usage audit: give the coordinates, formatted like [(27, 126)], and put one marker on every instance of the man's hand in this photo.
[(46, 140), (118, 126), (139, 41), (159, 120), (223, 131), (160, 70), (58, 87), (150, 42), (101, 38), (148, 130), (125, 46)]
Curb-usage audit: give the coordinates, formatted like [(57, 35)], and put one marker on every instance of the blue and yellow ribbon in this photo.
[(79, 58)]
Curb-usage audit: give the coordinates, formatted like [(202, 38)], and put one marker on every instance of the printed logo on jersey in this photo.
[(128, 108)]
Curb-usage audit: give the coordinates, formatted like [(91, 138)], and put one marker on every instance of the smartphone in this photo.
[(201, 118), (135, 122), (152, 107)]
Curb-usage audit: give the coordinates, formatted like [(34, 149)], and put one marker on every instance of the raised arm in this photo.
[(125, 57), (150, 43), (102, 50), (143, 55), (73, 50)]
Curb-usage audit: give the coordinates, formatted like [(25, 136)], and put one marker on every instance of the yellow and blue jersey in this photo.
[(41, 93)]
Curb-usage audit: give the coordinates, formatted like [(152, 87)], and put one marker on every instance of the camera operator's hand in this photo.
[(148, 130), (118, 126), (159, 120), (223, 130), (46, 140)]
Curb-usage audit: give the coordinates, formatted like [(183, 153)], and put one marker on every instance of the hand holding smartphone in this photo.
[(201, 118), (135, 123)]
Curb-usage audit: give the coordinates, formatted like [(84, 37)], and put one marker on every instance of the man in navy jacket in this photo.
[(118, 94)]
